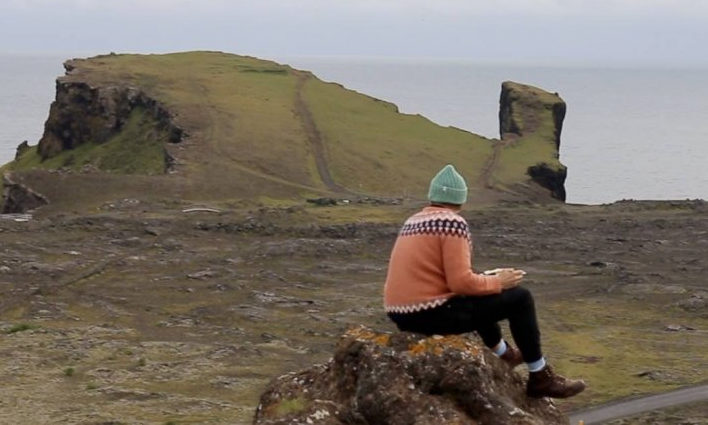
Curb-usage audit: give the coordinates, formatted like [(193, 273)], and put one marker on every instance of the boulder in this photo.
[(405, 378), (18, 198), (21, 149), (696, 302)]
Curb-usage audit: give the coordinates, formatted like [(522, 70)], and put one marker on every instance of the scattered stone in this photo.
[(281, 300), (179, 321), (131, 242), (678, 328), (221, 287), (656, 375), (322, 201), (201, 209), (224, 382), (204, 274), (117, 393), (698, 301), (170, 245), (266, 337), (36, 266)]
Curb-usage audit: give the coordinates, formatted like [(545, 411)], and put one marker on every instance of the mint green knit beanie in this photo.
[(448, 187)]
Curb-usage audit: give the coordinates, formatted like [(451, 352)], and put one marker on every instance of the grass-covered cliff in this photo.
[(215, 126)]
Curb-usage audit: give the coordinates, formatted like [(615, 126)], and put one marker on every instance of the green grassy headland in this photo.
[(257, 128)]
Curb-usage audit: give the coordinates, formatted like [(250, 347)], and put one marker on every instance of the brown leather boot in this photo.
[(545, 383), (512, 356)]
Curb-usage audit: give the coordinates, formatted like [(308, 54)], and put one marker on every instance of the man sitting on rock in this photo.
[(432, 289)]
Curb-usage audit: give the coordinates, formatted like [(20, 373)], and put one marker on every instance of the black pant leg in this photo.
[(523, 324), (462, 314), (517, 306), (452, 318)]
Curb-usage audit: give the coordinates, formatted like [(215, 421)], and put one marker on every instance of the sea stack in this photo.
[(533, 118)]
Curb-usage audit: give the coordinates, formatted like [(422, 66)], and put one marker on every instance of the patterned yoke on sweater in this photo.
[(431, 261)]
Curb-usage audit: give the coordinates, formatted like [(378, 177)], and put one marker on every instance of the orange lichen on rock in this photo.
[(363, 333), (382, 339), (437, 345), (360, 332)]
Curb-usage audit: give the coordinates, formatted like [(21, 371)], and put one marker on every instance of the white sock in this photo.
[(537, 365), (500, 348)]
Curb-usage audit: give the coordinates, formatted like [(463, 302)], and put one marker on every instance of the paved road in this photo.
[(601, 414)]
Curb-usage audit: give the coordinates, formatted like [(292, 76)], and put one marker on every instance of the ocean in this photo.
[(628, 133)]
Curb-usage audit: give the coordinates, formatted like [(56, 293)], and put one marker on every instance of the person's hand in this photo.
[(510, 278)]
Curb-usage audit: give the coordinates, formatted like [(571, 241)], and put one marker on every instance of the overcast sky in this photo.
[(667, 33)]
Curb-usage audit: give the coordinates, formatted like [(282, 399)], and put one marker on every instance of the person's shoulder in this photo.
[(455, 222), (442, 222)]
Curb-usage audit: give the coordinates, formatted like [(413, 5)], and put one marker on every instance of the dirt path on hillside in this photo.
[(493, 161), (617, 410), (314, 136), (211, 138)]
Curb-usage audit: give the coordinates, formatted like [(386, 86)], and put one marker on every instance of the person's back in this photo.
[(430, 263), (431, 288)]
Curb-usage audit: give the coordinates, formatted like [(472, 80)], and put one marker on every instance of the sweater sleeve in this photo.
[(460, 277)]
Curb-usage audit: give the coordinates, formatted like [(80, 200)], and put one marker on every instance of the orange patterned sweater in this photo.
[(432, 261)]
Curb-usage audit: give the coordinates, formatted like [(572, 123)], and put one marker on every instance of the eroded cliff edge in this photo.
[(83, 114)]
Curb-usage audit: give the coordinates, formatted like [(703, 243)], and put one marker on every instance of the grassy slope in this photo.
[(372, 148), (248, 141)]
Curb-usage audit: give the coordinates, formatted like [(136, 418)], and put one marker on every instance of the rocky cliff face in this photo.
[(530, 115), (85, 114), (377, 378)]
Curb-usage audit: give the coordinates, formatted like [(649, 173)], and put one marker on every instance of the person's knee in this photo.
[(522, 295)]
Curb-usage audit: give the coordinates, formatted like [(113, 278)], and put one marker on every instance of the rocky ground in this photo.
[(145, 314)]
